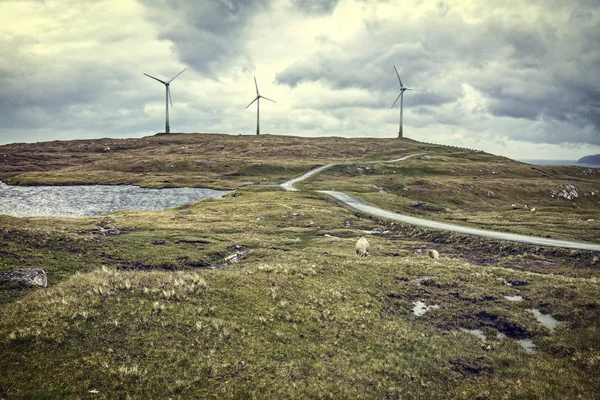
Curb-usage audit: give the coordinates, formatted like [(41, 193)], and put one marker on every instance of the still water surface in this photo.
[(90, 200)]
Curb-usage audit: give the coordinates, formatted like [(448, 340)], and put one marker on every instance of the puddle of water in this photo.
[(526, 344), (420, 308), (545, 319), (514, 298), (418, 280), (91, 200), (375, 232), (479, 333), (476, 332)]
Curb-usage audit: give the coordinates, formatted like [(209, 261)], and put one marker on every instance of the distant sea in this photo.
[(559, 162)]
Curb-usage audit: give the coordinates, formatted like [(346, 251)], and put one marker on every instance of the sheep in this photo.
[(433, 254), (362, 247), (514, 207), (533, 209)]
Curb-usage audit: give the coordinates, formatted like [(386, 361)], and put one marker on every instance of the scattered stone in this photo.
[(261, 217), (347, 223), (111, 231), (298, 214), (365, 170), (235, 258), (158, 242), (24, 277), (418, 204), (565, 191)]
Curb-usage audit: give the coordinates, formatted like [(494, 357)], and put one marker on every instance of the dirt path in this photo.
[(365, 207)]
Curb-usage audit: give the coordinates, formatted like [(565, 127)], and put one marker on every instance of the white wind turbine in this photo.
[(168, 96), (257, 99), (401, 97)]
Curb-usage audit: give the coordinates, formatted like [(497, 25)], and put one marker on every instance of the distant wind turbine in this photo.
[(257, 99), (401, 97), (168, 96)]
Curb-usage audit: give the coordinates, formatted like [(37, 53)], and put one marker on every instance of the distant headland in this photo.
[(593, 159)]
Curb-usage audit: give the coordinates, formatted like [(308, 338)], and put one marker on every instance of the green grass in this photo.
[(143, 314), (301, 316)]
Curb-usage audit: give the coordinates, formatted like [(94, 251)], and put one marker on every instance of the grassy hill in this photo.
[(156, 311)]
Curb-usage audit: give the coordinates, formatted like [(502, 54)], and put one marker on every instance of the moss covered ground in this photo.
[(145, 304)]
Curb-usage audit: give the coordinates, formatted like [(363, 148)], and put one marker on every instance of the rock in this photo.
[(365, 170), (25, 277), (261, 217), (235, 258), (565, 191)]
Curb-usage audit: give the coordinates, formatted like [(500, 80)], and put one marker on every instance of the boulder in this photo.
[(25, 277)]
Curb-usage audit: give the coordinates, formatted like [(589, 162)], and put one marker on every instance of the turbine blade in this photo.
[(256, 84), (398, 75), (252, 102), (266, 98), (172, 79), (416, 90), (169, 95), (395, 101), (156, 79)]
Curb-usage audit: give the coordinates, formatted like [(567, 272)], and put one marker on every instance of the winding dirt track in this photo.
[(365, 207)]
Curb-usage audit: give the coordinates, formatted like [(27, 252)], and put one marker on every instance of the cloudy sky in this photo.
[(518, 78)]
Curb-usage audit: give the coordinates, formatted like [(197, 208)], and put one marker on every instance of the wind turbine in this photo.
[(168, 96), (401, 97), (257, 99)]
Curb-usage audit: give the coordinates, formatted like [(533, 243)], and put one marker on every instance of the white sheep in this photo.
[(362, 247), (433, 254), (533, 209)]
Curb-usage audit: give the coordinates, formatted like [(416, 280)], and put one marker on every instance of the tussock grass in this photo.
[(145, 313)]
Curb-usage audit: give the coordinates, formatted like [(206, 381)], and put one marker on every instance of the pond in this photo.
[(91, 200)]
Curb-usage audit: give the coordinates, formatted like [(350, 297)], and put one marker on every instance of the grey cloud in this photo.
[(525, 69), (209, 35), (315, 6)]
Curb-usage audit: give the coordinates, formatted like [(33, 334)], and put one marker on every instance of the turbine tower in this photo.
[(257, 99), (168, 96), (401, 97)]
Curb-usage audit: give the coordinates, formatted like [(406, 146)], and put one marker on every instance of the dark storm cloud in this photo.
[(40, 94), (526, 69), (315, 7), (210, 36)]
